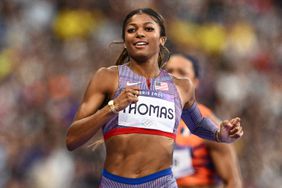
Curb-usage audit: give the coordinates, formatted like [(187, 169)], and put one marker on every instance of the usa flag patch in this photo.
[(161, 86)]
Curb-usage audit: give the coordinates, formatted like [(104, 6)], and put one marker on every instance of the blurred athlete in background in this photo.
[(200, 163)]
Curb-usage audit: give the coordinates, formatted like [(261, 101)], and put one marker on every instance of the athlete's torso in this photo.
[(139, 140)]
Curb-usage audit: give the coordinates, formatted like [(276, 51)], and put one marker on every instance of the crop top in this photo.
[(157, 112)]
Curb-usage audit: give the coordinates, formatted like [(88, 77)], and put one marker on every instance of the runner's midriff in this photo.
[(138, 155)]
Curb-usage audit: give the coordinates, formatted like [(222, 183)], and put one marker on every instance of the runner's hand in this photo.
[(230, 130), (128, 96)]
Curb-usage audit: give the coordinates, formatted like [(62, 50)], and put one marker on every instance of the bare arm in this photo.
[(89, 117), (226, 164), (186, 91)]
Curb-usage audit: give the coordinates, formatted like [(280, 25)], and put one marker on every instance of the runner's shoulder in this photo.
[(184, 84)]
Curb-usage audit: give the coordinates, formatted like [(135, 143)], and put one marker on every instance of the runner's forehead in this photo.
[(179, 62), (141, 19)]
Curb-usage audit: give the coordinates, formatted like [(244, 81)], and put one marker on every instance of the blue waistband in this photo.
[(141, 180)]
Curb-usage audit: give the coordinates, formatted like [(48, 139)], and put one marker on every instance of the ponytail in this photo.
[(123, 57), (163, 56)]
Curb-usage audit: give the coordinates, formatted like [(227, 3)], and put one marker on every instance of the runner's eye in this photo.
[(149, 29), (131, 30)]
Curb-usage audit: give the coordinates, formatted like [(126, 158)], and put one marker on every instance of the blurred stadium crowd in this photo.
[(49, 49)]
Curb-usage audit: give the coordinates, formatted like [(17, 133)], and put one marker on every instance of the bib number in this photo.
[(182, 163)]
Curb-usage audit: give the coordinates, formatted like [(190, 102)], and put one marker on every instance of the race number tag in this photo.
[(149, 113), (182, 163)]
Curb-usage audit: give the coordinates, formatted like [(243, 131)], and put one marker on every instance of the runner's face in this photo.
[(181, 67), (142, 37)]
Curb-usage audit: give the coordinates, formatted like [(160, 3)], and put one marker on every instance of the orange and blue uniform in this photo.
[(192, 162)]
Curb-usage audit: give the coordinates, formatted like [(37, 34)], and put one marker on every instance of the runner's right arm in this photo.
[(89, 117)]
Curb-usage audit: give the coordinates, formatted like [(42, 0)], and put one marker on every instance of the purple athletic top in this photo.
[(158, 110)]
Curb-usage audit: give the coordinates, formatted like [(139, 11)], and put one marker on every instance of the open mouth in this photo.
[(141, 43)]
